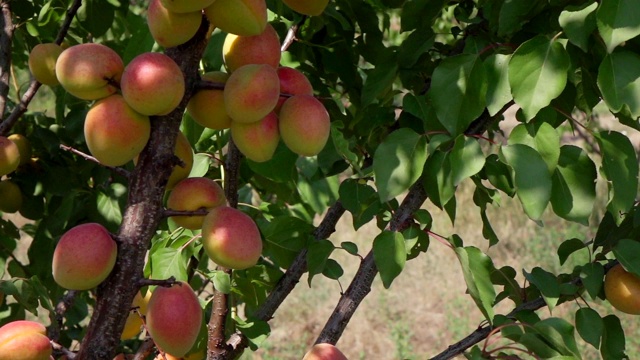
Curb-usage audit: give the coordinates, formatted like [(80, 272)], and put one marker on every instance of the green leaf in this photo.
[(537, 74), (627, 251), (343, 146), (568, 247), (319, 194), (398, 162), (458, 89), (437, 180), (332, 270), (467, 159), (414, 46), (167, 262), (547, 283), (619, 82), (390, 255), (499, 175), (255, 331), (281, 168), (109, 206), (574, 185), (317, 256), (560, 334), (514, 14), (201, 164), (590, 326), (613, 340), (578, 22), (542, 137), (592, 275), (221, 281), (496, 66), (620, 167), (420, 13), (284, 237), (361, 200), (532, 179), (379, 80), (416, 241), (618, 22), (96, 16), (477, 268), (350, 247)]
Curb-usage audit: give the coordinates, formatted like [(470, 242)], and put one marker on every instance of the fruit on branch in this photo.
[(206, 107), (9, 156), (324, 352), (84, 257), (231, 238), (192, 194), (134, 323), (622, 290), (169, 28), (304, 125), (263, 48), (307, 7), (292, 82), (184, 152), (42, 63), (24, 147), (174, 317), (10, 197), (258, 140), (186, 6), (114, 132), (24, 340), (240, 17), (89, 71), (251, 92), (153, 84)]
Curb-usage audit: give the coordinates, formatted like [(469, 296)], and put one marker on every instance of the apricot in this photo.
[(114, 132), (153, 84), (186, 6), (324, 352), (251, 92), (240, 17), (192, 194), (134, 323), (292, 82), (24, 147), (89, 71), (206, 107), (24, 340), (622, 290), (170, 28), (304, 125), (307, 7), (174, 317), (263, 48), (42, 63), (9, 156), (231, 238), (84, 257), (10, 197), (258, 140)]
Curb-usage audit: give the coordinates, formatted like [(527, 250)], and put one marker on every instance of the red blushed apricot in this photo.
[(292, 82), (174, 317), (114, 132), (89, 71), (24, 340), (251, 92), (153, 84), (258, 49), (192, 194), (170, 28), (84, 257), (206, 106), (231, 238), (9, 156), (258, 140), (186, 6), (240, 17), (304, 125), (324, 352), (42, 63)]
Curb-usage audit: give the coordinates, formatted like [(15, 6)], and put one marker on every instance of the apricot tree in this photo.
[(107, 106)]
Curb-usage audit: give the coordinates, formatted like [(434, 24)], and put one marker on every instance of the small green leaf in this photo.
[(613, 340), (380, 80), (390, 255), (568, 247), (350, 247), (477, 268), (438, 181), (416, 241), (398, 162), (416, 13), (627, 251), (496, 67), (590, 326), (96, 16), (542, 137), (284, 237), (361, 200), (578, 22), (255, 331), (317, 256), (532, 178), (167, 262), (619, 81), (592, 275), (538, 74), (467, 159), (414, 46), (332, 270), (574, 185), (560, 334), (620, 167), (458, 89), (499, 175), (548, 285), (221, 281), (201, 164), (618, 22)]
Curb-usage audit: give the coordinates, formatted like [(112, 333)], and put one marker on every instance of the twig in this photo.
[(291, 35), (157, 282), (170, 212), (6, 36), (117, 170), (145, 349), (61, 309), (62, 350)]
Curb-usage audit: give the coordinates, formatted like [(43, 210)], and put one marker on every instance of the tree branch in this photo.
[(118, 170), (6, 36), (53, 332)]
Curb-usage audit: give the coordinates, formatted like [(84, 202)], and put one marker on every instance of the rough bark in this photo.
[(6, 35)]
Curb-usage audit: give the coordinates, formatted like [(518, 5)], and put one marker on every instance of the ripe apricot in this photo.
[(240, 17), (263, 48), (258, 140), (206, 107), (192, 194), (24, 340), (622, 290), (42, 63), (251, 92), (169, 28), (304, 125), (9, 156)]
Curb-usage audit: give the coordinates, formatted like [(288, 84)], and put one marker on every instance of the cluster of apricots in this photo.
[(261, 103), (15, 150)]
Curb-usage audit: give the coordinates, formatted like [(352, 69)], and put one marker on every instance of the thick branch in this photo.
[(142, 215), (6, 35)]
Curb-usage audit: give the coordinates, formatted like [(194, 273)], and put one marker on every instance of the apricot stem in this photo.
[(117, 170)]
